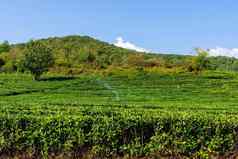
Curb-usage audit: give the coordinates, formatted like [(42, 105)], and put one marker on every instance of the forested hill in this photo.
[(77, 54), (81, 44)]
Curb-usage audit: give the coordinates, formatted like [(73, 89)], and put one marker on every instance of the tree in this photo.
[(37, 59), (4, 47), (199, 62)]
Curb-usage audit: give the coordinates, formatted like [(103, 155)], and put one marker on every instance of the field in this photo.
[(148, 114)]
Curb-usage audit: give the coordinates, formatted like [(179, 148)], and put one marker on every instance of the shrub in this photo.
[(154, 62), (9, 67)]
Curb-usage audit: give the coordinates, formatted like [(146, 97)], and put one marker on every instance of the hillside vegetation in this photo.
[(82, 54), (96, 100)]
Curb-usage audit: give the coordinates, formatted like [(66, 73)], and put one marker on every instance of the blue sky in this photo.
[(171, 26)]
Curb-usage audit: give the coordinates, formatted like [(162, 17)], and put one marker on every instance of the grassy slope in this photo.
[(210, 92)]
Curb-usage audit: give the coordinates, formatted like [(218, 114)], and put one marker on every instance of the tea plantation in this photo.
[(148, 115)]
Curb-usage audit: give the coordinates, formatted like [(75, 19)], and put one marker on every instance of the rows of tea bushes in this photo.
[(121, 133), (210, 92)]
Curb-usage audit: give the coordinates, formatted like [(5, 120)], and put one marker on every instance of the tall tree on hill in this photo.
[(38, 58)]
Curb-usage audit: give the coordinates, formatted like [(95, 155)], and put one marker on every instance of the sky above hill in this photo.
[(167, 26)]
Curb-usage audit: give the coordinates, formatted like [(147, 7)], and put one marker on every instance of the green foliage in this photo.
[(199, 62), (136, 60), (224, 63), (12, 60), (73, 52), (132, 104), (9, 67), (106, 134), (4, 47), (149, 114), (38, 58)]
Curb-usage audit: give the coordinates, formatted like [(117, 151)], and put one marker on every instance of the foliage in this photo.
[(124, 103), (4, 47), (38, 58), (148, 114), (2, 62), (119, 133), (136, 60), (199, 62), (12, 60), (73, 52)]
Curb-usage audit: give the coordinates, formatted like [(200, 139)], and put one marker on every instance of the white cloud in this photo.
[(128, 45), (219, 51)]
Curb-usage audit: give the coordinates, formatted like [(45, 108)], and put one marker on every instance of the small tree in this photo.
[(199, 62), (38, 58), (4, 47)]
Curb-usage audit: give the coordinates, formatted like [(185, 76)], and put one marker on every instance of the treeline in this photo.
[(79, 54)]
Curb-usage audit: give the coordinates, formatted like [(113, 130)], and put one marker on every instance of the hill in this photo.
[(80, 54)]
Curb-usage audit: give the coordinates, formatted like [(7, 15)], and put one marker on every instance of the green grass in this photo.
[(167, 114)]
